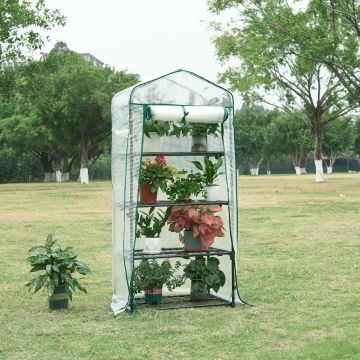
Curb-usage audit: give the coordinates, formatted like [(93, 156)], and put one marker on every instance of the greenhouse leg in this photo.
[(233, 280), (132, 306)]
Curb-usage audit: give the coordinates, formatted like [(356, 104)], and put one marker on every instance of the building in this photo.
[(92, 59)]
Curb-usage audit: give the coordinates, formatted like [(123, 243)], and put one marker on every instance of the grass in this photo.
[(298, 265)]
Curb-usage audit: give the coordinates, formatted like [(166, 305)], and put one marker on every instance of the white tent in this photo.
[(178, 96)]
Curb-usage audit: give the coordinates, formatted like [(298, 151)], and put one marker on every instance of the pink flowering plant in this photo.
[(157, 173), (199, 219)]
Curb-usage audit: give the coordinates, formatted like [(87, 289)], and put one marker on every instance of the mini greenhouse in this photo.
[(182, 124)]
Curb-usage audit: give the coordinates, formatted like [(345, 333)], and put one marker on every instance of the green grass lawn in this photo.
[(298, 265)]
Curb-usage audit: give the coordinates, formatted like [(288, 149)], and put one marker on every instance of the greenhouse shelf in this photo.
[(198, 153), (182, 302), (179, 253), (166, 203)]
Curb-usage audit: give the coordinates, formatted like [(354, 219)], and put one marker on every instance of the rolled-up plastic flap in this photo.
[(194, 114), (206, 114), (165, 113)]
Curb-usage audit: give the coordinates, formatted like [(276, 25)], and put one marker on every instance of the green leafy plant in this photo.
[(210, 170), (197, 129), (150, 224), (185, 186), (194, 129), (157, 173), (208, 272), (58, 266), (150, 275), (162, 128)]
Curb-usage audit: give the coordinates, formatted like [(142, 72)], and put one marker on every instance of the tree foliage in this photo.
[(287, 135), (70, 107), (250, 128), (338, 137), (272, 65), (20, 26)]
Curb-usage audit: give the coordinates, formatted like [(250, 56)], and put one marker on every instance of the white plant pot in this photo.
[(152, 144), (152, 245), (199, 143), (213, 192)]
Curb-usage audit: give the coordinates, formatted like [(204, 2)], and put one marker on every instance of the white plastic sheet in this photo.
[(205, 102)]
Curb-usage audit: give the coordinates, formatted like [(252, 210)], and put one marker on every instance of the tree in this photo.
[(85, 96), (337, 37), (250, 127), (22, 129), (336, 140), (287, 135), (271, 65), (20, 25), (73, 98)]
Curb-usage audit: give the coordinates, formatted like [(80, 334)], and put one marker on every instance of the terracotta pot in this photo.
[(153, 297), (193, 244), (146, 196)]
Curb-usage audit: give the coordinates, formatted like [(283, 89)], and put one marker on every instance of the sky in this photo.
[(150, 38)]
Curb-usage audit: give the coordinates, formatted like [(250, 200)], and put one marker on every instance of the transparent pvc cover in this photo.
[(181, 89)]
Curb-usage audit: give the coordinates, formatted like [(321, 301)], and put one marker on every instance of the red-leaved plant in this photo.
[(199, 219)]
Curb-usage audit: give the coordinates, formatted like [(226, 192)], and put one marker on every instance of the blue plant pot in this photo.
[(193, 244), (59, 300)]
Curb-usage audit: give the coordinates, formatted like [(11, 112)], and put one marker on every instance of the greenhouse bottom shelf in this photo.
[(182, 302)]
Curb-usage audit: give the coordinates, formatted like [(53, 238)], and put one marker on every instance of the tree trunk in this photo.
[(319, 176), (268, 170), (296, 156), (329, 167), (254, 166), (254, 171), (58, 170), (84, 163), (66, 167), (302, 168), (47, 165)]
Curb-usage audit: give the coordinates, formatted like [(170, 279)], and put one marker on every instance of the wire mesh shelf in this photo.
[(179, 253), (166, 203), (181, 302), (184, 153)]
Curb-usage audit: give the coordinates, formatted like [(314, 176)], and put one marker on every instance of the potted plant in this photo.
[(210, 172), (196, 225), (149, 226), (204, 275), (150, 276), (57, 265), (185, 186), (154, 175), (199, 134), (153, 130)]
